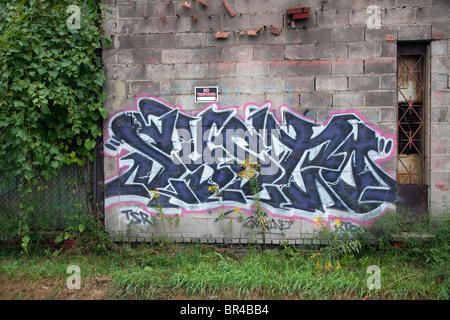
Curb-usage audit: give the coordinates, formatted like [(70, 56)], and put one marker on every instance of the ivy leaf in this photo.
[(104, 113), (41, 70), (53, 73), (89, 144), (59, 238), (81, 227), (99, 78)]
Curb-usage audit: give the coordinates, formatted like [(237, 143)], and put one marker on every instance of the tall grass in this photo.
[(163, 272), (274, 275)]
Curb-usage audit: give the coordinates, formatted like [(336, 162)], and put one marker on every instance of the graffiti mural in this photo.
[(308, 167)]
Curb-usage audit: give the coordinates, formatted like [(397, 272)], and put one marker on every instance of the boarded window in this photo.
[(412, 73), (410, 114)]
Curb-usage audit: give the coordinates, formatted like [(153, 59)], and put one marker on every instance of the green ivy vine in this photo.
[(51, 102)]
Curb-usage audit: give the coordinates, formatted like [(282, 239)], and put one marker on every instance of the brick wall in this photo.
[(332, 61), (439, 125)]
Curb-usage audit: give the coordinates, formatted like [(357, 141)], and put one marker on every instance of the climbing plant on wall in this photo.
[(51, 77)]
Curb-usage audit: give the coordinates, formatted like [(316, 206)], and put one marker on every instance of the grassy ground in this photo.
[(347, 267), (199, 271)]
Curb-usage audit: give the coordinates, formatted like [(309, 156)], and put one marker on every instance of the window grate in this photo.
[(410, 115)]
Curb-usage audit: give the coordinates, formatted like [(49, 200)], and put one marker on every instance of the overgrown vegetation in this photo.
[(51, 112), (51, 104)]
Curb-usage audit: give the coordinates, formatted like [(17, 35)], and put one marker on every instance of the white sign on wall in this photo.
[(206, 94)]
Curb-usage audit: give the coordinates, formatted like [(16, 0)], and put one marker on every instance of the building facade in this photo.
[(339, 108)]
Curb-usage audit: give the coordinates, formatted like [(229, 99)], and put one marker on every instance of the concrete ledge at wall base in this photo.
[(151, 239), (412, 236)]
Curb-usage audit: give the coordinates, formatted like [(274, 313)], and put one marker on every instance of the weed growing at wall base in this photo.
[(250, 172), (337, 240), (171, 220)]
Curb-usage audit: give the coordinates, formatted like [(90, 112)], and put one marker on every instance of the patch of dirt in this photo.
[(21, 288)]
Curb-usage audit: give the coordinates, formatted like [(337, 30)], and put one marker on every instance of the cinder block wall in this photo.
[(327, 68)]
